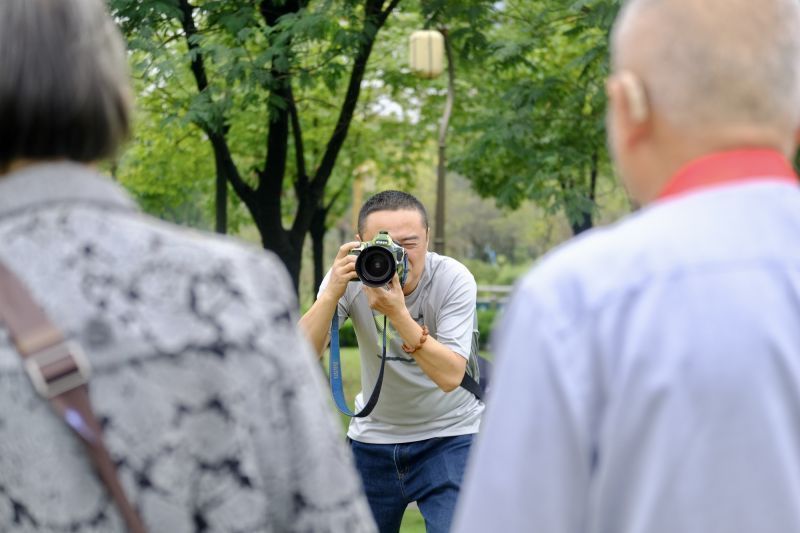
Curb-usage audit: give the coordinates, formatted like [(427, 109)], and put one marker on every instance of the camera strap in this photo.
[(467, 382), (59, 371), (336, 373)]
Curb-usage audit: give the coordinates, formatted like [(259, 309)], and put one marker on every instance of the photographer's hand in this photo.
[(445, 367), (317, 321), (388, 300), (342, 271)]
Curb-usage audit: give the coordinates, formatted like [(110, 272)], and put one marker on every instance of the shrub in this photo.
[(499, 274), (347, 335), (486, 320)]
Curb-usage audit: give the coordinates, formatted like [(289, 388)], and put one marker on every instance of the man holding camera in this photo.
[(413, 446)]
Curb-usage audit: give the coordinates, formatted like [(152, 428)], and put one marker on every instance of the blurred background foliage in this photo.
[(253, 118)]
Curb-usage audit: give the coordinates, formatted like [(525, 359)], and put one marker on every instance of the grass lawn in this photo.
[(351, 379)]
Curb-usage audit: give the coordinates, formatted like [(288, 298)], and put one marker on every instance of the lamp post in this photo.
[(427, 49)]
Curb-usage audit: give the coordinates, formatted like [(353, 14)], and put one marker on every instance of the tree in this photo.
[(166, 165), (398, 113), (536, 130), (246, 62)]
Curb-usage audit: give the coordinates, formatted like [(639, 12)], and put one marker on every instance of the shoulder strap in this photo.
[(469, 383), (59, 371)]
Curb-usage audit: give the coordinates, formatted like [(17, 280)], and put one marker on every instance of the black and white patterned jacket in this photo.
[(213, 406)]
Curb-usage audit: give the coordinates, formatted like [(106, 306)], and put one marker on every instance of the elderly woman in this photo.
[(206, 392)]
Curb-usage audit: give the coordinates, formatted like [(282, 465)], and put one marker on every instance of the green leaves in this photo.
[(537, 131)]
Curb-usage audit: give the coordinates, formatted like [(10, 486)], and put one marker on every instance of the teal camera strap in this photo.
[(336, 373)]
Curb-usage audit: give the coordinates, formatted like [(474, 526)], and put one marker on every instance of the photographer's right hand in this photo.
[(343, 270)]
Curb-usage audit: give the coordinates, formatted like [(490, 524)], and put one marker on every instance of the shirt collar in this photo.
[(46, 183), (729, 168)]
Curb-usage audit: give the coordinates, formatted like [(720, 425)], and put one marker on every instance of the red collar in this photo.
[(728, 168)]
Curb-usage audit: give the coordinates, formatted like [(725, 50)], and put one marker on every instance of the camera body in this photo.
[(379, 259)]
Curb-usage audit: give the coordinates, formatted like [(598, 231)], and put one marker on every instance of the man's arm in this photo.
[(316, 322), (444, 366)]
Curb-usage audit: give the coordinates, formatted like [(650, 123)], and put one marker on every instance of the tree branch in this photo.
[(270, 185), (386, 12), (337, 194), (190, 31), (299, 149), (374, 18), (222, 153)]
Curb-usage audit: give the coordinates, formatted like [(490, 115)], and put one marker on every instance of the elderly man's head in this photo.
[(695, 76)]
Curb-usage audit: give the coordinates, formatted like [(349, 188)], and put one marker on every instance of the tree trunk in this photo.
[(222, 160), (285, 249), (221, 200), (583, 223), (317, 231), (585, 220)]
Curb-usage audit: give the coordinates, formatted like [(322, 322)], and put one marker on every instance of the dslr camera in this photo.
[(379, 259)]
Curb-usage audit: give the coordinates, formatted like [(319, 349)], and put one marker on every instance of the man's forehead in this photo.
[(400, 220)]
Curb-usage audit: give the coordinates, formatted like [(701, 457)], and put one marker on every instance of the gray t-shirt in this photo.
[(411, 406)]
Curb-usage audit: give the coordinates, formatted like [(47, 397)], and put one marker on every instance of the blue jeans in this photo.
[(428, 472)]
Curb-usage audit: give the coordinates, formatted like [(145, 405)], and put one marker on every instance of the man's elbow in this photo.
[(320, 347), (449, 387), (450, 383)]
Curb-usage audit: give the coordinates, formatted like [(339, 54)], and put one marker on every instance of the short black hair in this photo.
[(65, 91), (390, 201)]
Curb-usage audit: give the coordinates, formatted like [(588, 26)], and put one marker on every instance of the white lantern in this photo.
[(426, 53)]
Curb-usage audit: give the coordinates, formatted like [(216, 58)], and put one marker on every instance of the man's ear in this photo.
[(629, 103), (358, 237), (635, 96)]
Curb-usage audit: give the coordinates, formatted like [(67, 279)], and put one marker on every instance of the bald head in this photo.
[(714, 64)]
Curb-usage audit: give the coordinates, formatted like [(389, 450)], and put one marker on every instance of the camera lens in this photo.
[(375, 266)]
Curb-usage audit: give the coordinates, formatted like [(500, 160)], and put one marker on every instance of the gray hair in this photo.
[(64, 85), (714, 63)]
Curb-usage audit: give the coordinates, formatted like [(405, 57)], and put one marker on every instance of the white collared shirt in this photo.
[(648, 377)]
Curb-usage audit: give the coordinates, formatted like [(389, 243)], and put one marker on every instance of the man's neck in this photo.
[(408, 288)]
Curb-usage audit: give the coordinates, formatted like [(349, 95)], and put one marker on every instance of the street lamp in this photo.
[(426, 51)]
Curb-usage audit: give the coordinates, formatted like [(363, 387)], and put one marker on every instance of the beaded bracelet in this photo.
[(422, 339)]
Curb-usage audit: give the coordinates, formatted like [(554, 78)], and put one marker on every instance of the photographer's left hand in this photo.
[(388, 300)]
